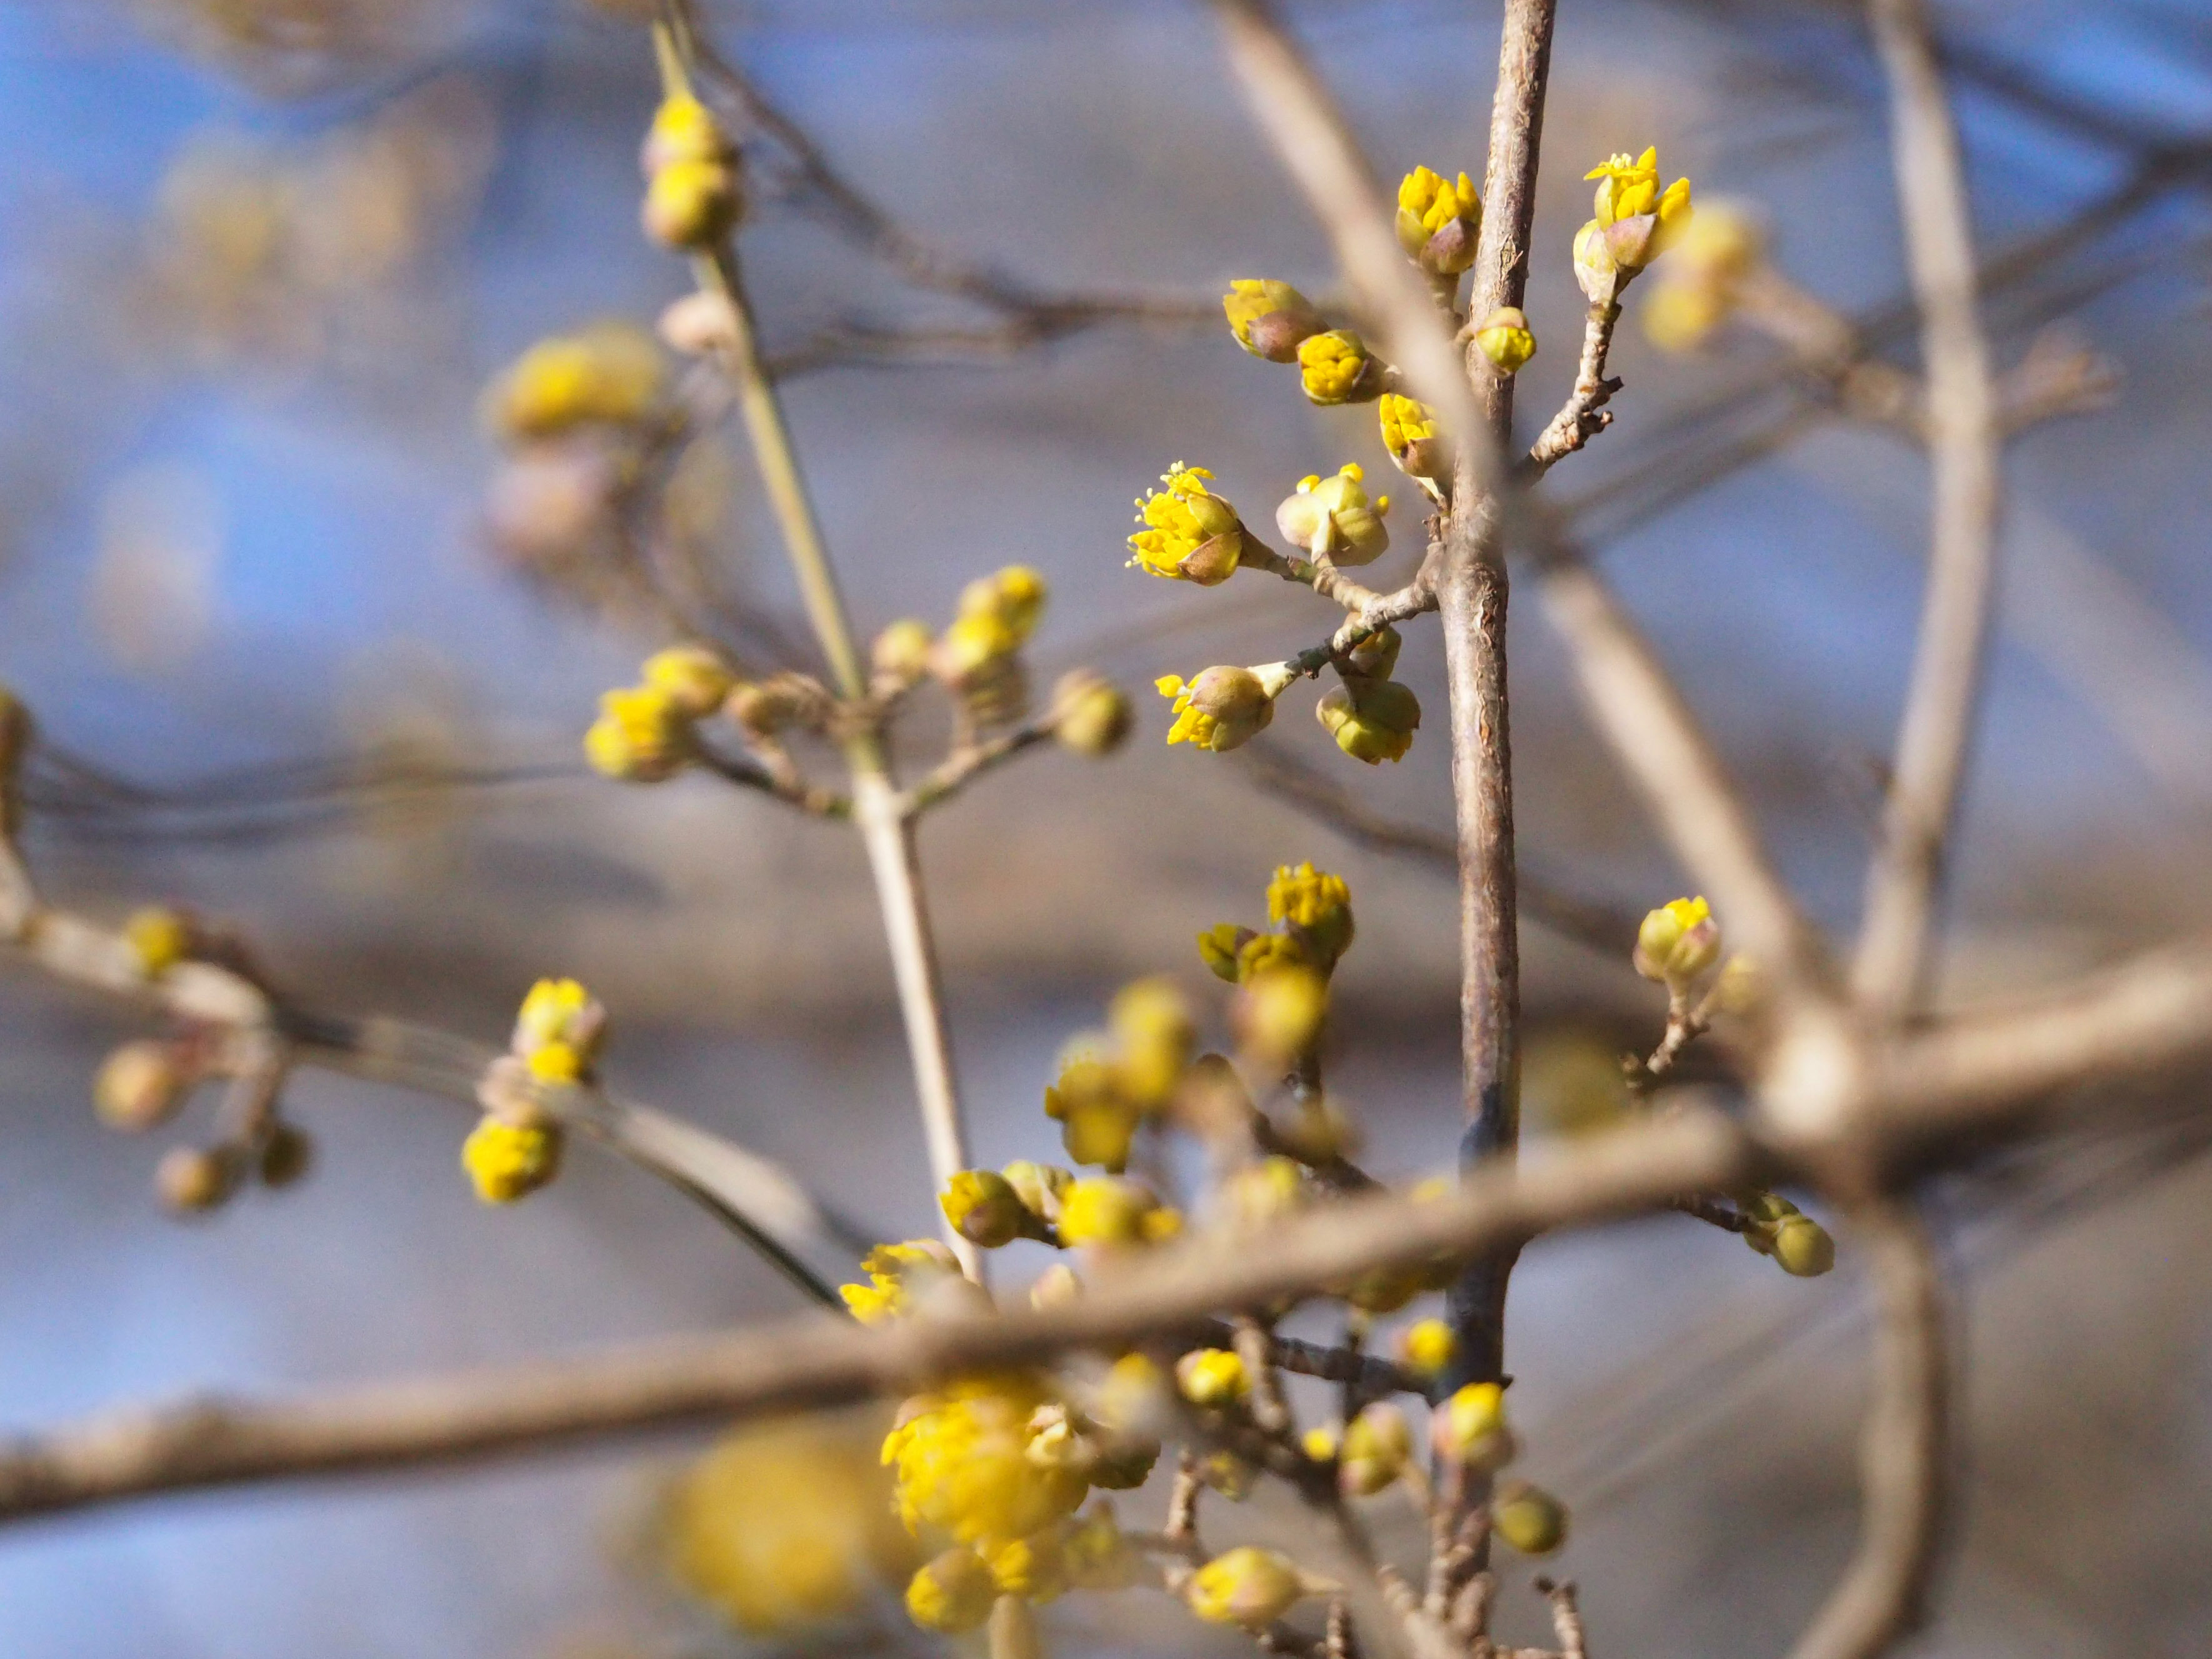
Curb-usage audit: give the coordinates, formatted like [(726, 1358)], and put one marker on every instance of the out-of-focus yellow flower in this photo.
[(1097, 1117), (683, 130), (1334, 519), (559, 1031), (1269, 318), (1409, 432), (1190, 533), (953, 1593), (962, 1464), (609, 373), (507, 1161), (1034, 1568), (695, 679), (1212, 1376), (1096, 1555), (140, 1085), (1336, 368), (1528, 1518), (1722, 245), (1092, 715), (1470, 1428), (1246, 1586), (1320, 1442), (784, 1525), (1681, 316), (1505, 340), (1636, 222), (1427, 1347), (1278, 1012), (1223, 707), (997, 615), (1378, 1444), (899, 1277), (1262, 1193), (900, 652), (1439, 221), (984, 1208), (1677, 942), (1218, 948), (1110, 1212), (1152, 1024), (640, 737), (689, 204), (1317, 904), (1372, 721), (159, 939)]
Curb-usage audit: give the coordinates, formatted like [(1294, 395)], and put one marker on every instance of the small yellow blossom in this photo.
[(1263, 953), (1152, 1025), (1218, 947), (1378, 1444), (984, 1208), (1108, 1211), (695, 679), (1470, 1428), (1334, 519), (1528, 1517), (1505, 340), (954, 1593), (1191, 534), (1320, 1443), (609, 373), (559, 1031), (1223, 707), (1212, 1376), (1317, 904), (507, 1161), (1636, 222), (1097, 1117), (640, 737), (1278, 1012), (1677, 942), (1427, 1347), (1034, 1568), (997, 615), (1269, 318), (1681, 316), (899, 1277), (689, 204), (1372, 721), (1246, 1586), (159, 939), (1409, 432), (1334, 367), (961, 1458), (683, 130), (1439, 221)]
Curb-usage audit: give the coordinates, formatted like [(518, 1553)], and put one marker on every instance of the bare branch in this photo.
[(1937, 729), (1902, 1468)]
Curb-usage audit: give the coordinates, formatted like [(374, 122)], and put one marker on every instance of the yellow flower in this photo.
[(1191, 534), (159, 939), (1223, 707), (997, 615), (1247, 1586), (1439, 221), (695, 679), (961, 1455), (559, 1030), (1428, 1347), (1470, 1428), (1108, 1211), (1681, 315), (1317, 904), (1034, 1568), (1528, 1518), (1278, 1012), (1259, 1194), (1319, 1443), (1096, 1555), (1218, 945), (1378, 1444), (508, 1162), (1015, 595), (1212, 1376), (785, 1526), (899, 1276), (1263, 953), (1372, 721), (689, 204), (1097, 1118), (1333, 517), (607, 373), (683, 130), (1677, 942), (984, 1209), (1152, 1023), (1636, 221), (1334, 367), (1269, 318), (1505, 340), (640, 737), (953, 1593), (1409, 432)]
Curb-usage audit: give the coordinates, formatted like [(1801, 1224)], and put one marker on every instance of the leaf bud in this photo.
[(140, 1085), (1528, 1517), (1270, 320), (1094, 715), (1505, 340)]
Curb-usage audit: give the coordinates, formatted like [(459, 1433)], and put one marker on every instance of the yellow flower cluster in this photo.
[(1333, 518), (900, 1279), (1191, 534), (515, 1148), (608, 374), (692, 195), (1336, 368), (1270, 320), (1703, 281), (559, 1031), (1676, 943), (644, 732), (996, 616), (1313, 909), (509, 1161), (1439, 221), (962, 1456), (1105, 1090), (1635, 223), (1409, 432)]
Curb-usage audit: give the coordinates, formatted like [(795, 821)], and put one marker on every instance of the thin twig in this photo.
[(1934, 737)]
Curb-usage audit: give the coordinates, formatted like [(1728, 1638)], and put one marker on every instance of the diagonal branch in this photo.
[(1933, 740)]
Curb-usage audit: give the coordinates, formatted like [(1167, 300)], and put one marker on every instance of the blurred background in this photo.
[(312, 650)]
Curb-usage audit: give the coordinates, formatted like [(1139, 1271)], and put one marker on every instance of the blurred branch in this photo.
[(1881, 1597), (1934, 737)]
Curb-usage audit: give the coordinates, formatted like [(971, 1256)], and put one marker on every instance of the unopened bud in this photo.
[(1470, 1428), (1802, 1248), (1335, 368), (1677, 942), (1094, 715), (1270, 320), (1378, 1444), (1212, 1377), (140, 1085), (900, 652), (954, 1593), (1528, 1518), (695, 679), (1372, 721), (1247, 1586), (1427, 1347), (984, 1209), (190, 1179), (689, 204), (1505, 340)]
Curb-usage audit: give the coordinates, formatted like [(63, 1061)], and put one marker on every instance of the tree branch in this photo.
[(1934, 737)]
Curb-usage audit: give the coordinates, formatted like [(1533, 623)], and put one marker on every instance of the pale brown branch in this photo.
[(1934, 737), (1584, 415), (965, 764), (1882, 1597)]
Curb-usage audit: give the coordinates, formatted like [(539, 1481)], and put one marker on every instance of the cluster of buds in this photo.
[(1371, 716), (1635, 223), (693, 197), (1110, 1084), (1273, 320), (1333, 518), (516, 1147), (1703, 281), (1469, 1430), (977, 659), (1439, 221), (143, 1084), (643, 733)]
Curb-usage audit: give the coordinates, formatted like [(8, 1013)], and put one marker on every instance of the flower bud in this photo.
[(689, 204), (1190, 533), (1098, 1557), (1439, 221), (559, 1030), (608, 374), (695, 679), (984, 1209), (1097, 1118), (1427, 1347), (1409, 432), (188, 1178), (1094, 715), (1528, 1518), (1335, 368), (640, 737), (1470, 1428), (900, 652), (1802, 1248), (1277, 1014), (1224, 708), (1270, 320), (1378, 1444), (1212, 1376), (1320, 1443), (1031, 1568), (286, 1156), (1134, 1399), (1677, 943), (684, 130), (1741, 988), (1316, 905), (698, 324), (1106, 1210), (1218, 945), (1333, 518), (1638, 220), (1247, 1586), (1372, 721), (159, 939), (1505, 340), (506, 1161), (1055, 1287), (1595, 274), (954, 1593), (1152, 1021), (140, 1085)]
